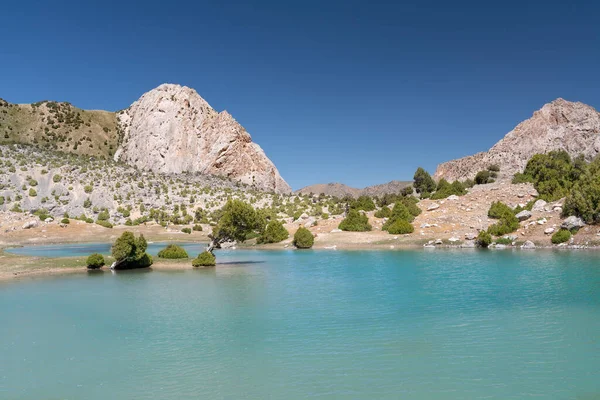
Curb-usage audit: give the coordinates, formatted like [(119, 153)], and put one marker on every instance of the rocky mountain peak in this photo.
[(558, 125), (172, 129)]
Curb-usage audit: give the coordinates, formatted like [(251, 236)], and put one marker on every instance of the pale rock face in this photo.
[(171, 129), (559, 125)]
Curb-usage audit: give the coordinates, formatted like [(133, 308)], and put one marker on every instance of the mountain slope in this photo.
[(559, 125), (59, 126), (341, 190), (171, 129)]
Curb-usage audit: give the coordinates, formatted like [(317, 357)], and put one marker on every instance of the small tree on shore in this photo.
[(238, 220), (130, 252), (303, 239), (274, 233)]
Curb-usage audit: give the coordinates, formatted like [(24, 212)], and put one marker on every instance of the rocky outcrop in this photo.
[(171, 129), (559, 125)]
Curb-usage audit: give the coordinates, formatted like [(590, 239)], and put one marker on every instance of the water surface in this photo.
[(312, 324), (85, 249)]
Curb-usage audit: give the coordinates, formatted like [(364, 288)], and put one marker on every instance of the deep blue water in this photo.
[(311, 324)]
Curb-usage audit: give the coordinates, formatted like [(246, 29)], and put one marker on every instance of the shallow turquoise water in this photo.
[(85, 249), (297, 325)]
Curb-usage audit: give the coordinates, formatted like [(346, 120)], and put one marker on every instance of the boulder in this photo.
[(572, 223), (453, 197), (438, 241), (30, 224), (48, 220), (433, 206), (523, 215), (539, 206), (453, 239), (470, 236), (528, 245), (549, 231)]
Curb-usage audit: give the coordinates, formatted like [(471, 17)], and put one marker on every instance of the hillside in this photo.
[(341, 190), (59, 126), (170, 129), (559, 125)]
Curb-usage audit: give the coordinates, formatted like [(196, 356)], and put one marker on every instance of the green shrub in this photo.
[(2, 199), (384, 212), (87, 203), (186, 230), (423, 182), (33, 182), (504, 240), (498, 210), (400, 227), (197, 228), (494, 168), (445, 189), (130, 252), (65, 221), (32, 192), (88, 188), (483, 177), (105, 224), (275, 232), (95, 261), (56, 178), (561, 236), (303, 239), (355, 222), (507, 221), (172, 251), (204, 259), (484, 239), (103, 216), (399, 212), (364, 203)]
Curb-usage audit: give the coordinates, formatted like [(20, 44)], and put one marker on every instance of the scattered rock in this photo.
[(336, 230), (528, 245), (433, 206), (572, 223), (538, 206), (524, 215), (30, 224), (470, 236)]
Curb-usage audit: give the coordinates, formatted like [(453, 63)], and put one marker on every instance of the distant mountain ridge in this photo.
[(559, 125), (341, 190)]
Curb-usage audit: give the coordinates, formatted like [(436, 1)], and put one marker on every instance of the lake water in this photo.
[(85, 249), (311, 324)]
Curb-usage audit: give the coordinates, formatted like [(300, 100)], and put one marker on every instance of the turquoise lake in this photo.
[(439, 324)]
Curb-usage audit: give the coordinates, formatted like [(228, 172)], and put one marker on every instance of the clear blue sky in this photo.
[(334, 91)]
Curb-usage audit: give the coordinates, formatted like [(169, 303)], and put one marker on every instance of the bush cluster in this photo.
[(561, 236), (275, 232), (355, 222), (303, 239), (507, 223), (204, 259), (130, 252), (445, 189), (95, 261), (172, 251)]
